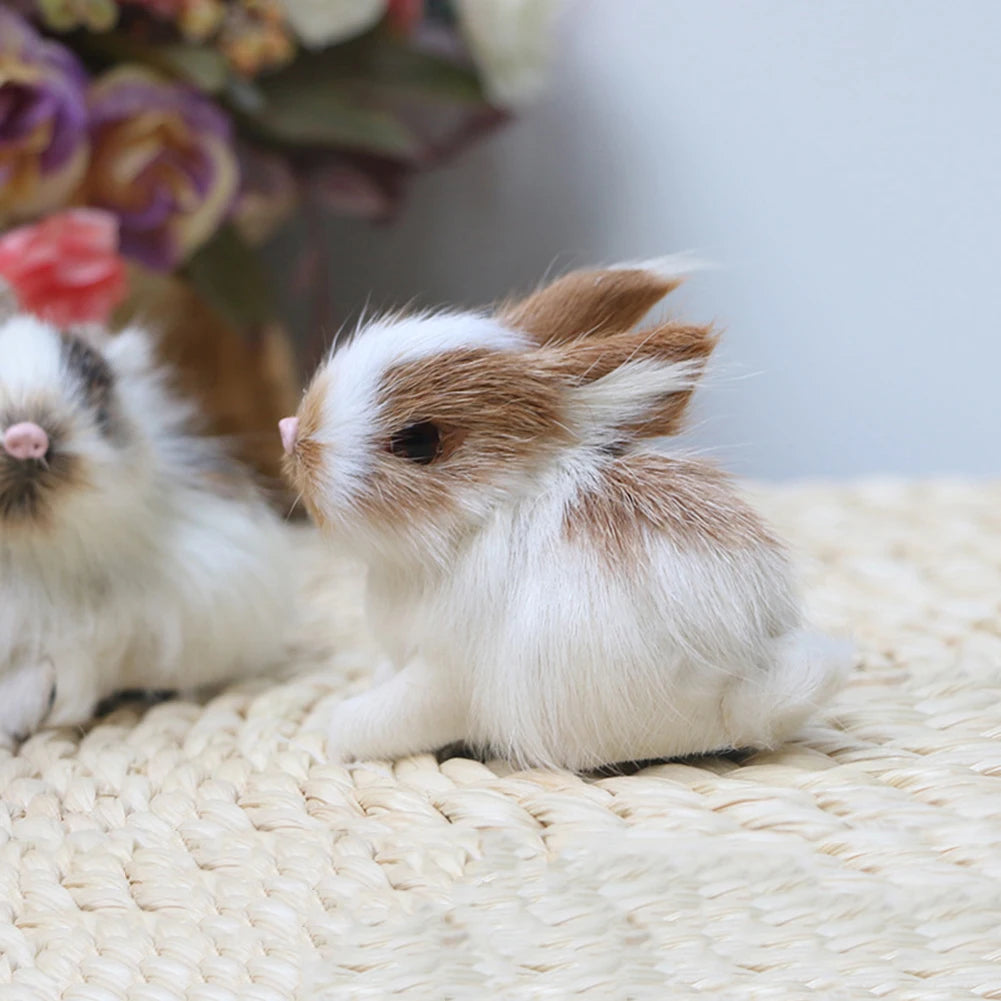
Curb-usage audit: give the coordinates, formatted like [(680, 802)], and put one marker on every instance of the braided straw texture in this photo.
[(209, 853)]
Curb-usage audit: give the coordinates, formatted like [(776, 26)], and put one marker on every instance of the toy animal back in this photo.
[(133, 552), (550, 583)]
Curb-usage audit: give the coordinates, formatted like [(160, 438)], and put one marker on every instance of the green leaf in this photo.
[(243, 96), (384, 62), (200, 65), (352, 96), (329, 115), (231, 277)]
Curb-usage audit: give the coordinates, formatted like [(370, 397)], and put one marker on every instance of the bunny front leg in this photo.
[(78, 688), (416, 710), (26, 696)]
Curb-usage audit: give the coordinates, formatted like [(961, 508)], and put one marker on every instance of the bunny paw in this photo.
[(27, 694), (341, 733)]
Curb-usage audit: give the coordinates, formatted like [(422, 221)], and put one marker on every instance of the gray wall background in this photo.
[(839, 161)]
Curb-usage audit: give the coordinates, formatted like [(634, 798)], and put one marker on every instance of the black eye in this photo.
[(419, 443)]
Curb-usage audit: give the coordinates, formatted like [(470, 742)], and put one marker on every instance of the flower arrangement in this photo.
[(181, 134)]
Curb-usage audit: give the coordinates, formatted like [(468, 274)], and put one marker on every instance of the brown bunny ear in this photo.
[(589, 303), (637, 383)]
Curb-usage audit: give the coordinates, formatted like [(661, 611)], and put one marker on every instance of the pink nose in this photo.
[(288, 428), (25, 441)]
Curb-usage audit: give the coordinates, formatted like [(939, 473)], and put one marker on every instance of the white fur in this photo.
[(31, 358), (147, 577), (600, 408), (530, 647), (528, 643)]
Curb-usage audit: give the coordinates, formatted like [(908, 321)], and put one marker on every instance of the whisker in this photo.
[(295, 504)]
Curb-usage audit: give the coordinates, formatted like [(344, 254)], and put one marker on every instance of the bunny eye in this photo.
[(420, 443)]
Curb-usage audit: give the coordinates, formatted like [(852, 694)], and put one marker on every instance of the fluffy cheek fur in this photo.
[(392, 508), (111, 489), (397, 509)]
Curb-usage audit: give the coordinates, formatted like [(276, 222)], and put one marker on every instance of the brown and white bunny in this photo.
[(548, 585), (133, 554)]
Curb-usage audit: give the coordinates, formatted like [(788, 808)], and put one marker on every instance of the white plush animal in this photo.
[(549, 586), (133, 554)]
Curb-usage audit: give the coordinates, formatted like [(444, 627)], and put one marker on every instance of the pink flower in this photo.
[(403, 15), (66, 269)]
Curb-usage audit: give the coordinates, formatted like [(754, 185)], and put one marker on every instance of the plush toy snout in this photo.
[(25, 441)]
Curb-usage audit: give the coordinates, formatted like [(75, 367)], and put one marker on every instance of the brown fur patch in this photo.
[(496, 412), (243, 381), (497, 399), (588, 359), (588, 303), (690, 501)]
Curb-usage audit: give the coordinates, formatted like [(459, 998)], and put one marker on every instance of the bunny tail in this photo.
[(809, 667)]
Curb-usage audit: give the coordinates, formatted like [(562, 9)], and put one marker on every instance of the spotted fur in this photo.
[(547, 584), (640, 496)]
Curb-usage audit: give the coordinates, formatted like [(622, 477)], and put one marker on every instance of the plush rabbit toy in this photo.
[(133, 552), (547, 585)]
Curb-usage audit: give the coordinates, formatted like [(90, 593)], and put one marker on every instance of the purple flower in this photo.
[(162, 162), (43, 121)]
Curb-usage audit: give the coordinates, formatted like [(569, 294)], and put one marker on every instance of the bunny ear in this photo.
[(8, 302), (592, 303), (634, 384)]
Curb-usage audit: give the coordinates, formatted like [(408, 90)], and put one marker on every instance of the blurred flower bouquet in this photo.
[(183, 133), (149, 148)]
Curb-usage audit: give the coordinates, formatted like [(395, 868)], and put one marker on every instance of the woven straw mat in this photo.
[(208, 852)]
